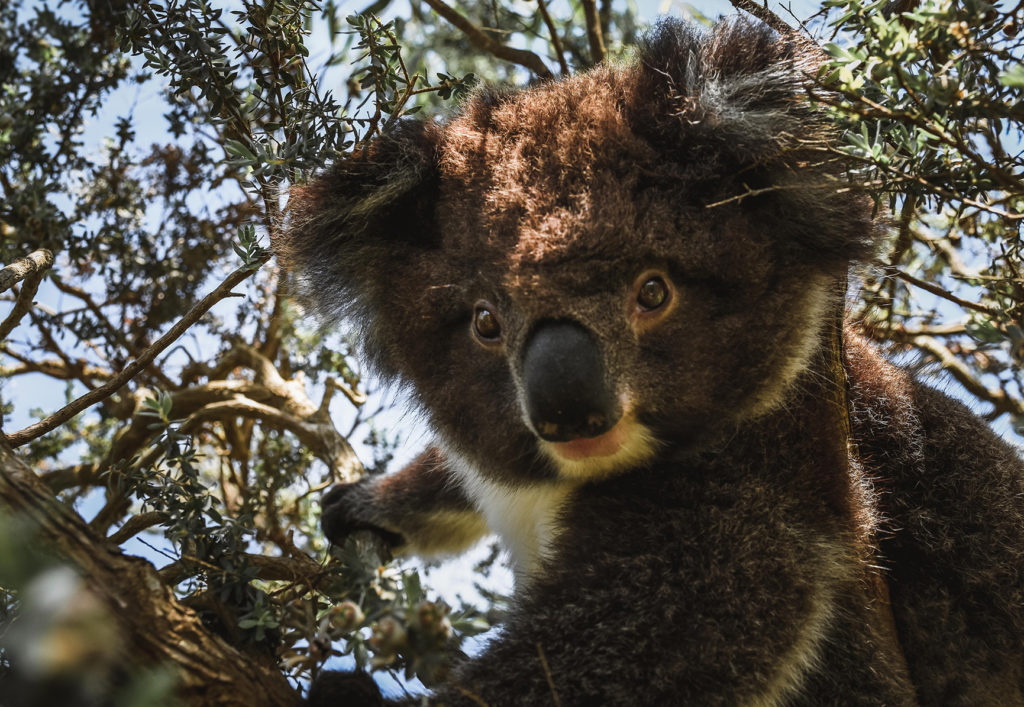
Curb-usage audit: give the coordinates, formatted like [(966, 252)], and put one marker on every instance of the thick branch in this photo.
[(292, 392), (66, 477), (37, 262), (136, 524), (300, 570), (53, 368), (322, 438), (762, 13), (271, 399), (183, 403), (959, 370), (594, 36), (31, 269), (132, 369), (481, 41), (156, 628)]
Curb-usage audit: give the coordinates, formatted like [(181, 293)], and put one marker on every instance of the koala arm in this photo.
[(420, 509)]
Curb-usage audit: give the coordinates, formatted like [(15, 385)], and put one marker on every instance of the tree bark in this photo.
[(155, 627)]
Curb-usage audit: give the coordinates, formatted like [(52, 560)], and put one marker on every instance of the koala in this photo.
[(618, 298)]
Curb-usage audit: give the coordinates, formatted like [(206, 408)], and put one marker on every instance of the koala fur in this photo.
[(617, 297)]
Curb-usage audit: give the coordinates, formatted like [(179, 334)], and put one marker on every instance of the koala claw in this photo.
[(341, 516)]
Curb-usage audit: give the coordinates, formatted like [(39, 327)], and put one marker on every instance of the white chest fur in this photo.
[(526, 518)]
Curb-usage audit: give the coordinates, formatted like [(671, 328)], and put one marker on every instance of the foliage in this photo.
[(931, 94), (217, 444), (215, 453)]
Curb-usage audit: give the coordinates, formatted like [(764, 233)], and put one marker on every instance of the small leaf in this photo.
[(234, 147), (1013, 77)]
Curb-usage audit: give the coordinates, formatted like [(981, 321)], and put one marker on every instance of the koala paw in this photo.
[(345, 510), (332, 688)]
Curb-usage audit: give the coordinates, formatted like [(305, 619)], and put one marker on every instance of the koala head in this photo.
[(576, 277)]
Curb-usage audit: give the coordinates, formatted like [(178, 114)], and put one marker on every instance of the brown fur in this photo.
[(742, 555)]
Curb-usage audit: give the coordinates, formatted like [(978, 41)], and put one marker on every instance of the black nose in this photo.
[(567, 396)]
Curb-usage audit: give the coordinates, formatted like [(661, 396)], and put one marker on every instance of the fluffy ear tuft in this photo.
[(352, 224), (733, 103)]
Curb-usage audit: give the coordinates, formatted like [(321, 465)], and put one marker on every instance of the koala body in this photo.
[(618, 298)]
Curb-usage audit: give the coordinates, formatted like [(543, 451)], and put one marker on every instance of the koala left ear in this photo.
[(357, 220), (734, 105)]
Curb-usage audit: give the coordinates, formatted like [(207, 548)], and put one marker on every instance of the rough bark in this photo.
[(156, 628)]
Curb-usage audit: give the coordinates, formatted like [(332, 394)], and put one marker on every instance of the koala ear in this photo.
[(734, 106), (355, 222)]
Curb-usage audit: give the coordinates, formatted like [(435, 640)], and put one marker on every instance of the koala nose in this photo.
[(567, 396)]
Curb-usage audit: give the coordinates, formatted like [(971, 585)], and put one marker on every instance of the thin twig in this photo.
[(934, 188), (940, 292), (556, 43), (114, 332), (481, 41), (547, 675), (132, 369), (836, 188), (299, 570)]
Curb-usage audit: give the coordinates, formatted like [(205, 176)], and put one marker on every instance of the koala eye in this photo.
[(485, 323), (651, 302), (652, 294)]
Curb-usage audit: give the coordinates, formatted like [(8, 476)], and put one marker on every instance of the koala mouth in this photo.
[(627, 445), (604, 445)]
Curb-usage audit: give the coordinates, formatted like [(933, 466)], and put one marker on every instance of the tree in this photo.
[(199, 402)]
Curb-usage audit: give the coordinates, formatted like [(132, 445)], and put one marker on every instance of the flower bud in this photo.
[(347, 616), (433, 619), (388, 636)]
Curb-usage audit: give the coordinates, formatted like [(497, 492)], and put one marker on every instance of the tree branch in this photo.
[(36, 262), (556, 43), (959, 370), (321, 437), (300, 570), (132, 369), (594, 36), (136, 524), (155, 627), (940, 292), (762, 13), (480, 40), (114, 333), (31, 269), (53, 368)]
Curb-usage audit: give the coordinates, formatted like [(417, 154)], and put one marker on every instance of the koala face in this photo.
[(580, 275)]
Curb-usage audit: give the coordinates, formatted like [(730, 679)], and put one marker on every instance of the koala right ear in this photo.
[(352, 224)]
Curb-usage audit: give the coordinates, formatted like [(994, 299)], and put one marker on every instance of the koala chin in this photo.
[(618, 300)]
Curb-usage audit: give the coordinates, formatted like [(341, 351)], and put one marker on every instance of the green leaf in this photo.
[(984, 331), (1013, 77), (234, 147)]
